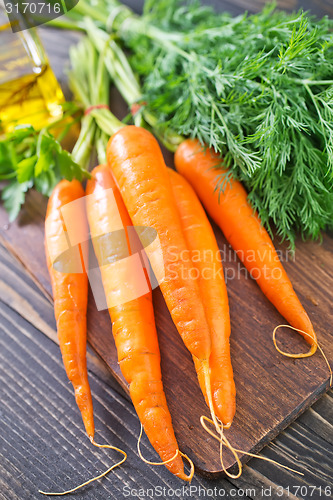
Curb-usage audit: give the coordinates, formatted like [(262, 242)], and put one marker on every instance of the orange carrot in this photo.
[(138, 166), (206, 259), (242, 228), (133, 323), (70, 293)]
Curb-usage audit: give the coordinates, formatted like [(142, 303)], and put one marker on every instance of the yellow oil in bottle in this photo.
[(29, 91)]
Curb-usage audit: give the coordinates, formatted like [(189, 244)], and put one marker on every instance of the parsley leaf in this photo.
[(25, 169), (33, 159), (13, 197)]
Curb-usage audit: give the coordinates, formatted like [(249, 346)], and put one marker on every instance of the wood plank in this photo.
[(43, 443), (21, 294)]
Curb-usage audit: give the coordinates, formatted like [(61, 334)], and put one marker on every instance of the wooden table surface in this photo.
[(43, 444)]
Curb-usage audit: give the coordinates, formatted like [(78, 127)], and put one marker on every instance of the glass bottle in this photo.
[(29, 91)]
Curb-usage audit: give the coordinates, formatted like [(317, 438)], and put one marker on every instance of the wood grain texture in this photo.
[(258, 371), (43, 443)]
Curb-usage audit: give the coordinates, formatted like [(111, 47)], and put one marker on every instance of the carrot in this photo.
[(205, 258), (138, 166), (70, 293), (133, 323), (242, 228)]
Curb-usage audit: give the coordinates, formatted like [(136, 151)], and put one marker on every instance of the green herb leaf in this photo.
[(6, 160), (13, 197), (46, 182), (256, 88), (46, 150), (68, 168), (32, 159), (25, 169)]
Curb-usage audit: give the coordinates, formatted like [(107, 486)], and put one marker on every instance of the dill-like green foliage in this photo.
[(256, 88)]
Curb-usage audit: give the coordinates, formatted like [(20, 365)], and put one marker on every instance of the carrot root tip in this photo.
[(148, 461), (312, 350), (178, 452), (191, 474)]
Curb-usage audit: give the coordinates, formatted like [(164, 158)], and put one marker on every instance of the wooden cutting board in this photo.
[(271, 390)]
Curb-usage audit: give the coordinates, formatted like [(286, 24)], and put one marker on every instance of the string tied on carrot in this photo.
[(95, 106), (312, 350), (178, 452), (62, 493), (136, 106), (204, 419)]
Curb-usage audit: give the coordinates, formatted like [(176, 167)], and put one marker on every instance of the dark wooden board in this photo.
[(272, 390)]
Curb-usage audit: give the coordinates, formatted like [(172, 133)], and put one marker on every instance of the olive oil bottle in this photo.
[(29, 91)]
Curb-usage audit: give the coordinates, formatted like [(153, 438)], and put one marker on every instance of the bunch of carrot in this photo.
[(137, 188), (202, 324)]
